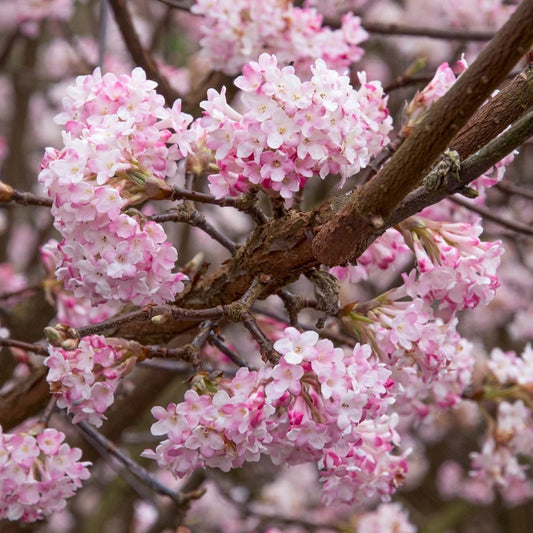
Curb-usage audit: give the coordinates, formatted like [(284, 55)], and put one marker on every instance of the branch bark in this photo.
[(354, 227)]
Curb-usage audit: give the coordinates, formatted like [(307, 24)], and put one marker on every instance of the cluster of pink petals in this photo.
[(444, 78), (115, 153), (238, 31), (84, 380), (75, 312), (37, 474), (386, 517), (509, 368), (498, 464), (316, 404), (431, 364), (454, 266), (291, 129), (386, 252)]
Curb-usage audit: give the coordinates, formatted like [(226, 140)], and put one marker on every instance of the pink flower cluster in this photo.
[(455, 267), (430, 362), (238, 31), (75, 312), (509, 368), (85, 379), (444, 78), (498, 465), (387, 517), (383, 254), (291, 129), (115, 153), (37, 474), (316, 404)]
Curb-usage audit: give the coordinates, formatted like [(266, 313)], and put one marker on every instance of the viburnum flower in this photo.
[(388, 517), (115, 156), (37, 474), (444, 78), (386, 252), (455, 266), (317, 404), (238, 31), (291, 129), (84, 379)]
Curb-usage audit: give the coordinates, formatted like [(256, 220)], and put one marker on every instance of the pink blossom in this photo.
[(84, 379), (37, 474), (294, 415)]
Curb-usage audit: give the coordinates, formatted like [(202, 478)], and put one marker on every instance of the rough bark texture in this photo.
[(496, 115)]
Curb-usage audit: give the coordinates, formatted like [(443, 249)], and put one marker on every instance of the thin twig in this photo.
[(189, 352), (246, 203), (405, 81), (179, 367), (8, 194), (432, 33), (489, 215), (188, 215), (35, 348), (19, 292), (266, 346), (153, 312), (217, 342), (47, 413), (513, 189), (102, 34), (139, 54), (294, 304), (101, 443), (8, 46)]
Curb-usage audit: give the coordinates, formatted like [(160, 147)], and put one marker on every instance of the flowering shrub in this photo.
[(356, 328)]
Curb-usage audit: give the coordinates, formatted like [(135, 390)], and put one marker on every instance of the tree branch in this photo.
[(139, 54), (354, 227), (433, 33)]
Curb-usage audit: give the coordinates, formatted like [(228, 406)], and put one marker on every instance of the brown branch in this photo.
[(139, 54), (35, 348), (188, 215), (217, 342), (496, 115), (432, 33), (215, 80), (9, 44), (488, 214), (183, 5), (156, 314), (356, 225), (405, 81), (508, 188), (476, 165), (105, 446), (8, 194)]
